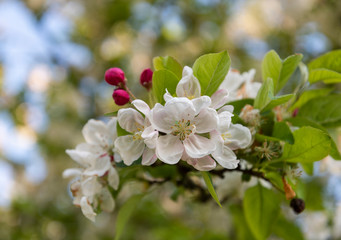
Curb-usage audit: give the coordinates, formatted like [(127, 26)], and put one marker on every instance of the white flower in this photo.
[(229, 137), (179, 122), (240, 85), (88, 192), (189, 87), (143, 136)]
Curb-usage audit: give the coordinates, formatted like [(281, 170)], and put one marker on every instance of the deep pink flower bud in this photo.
[(120, 96), (114, 76), (295, 112), (146, 78)]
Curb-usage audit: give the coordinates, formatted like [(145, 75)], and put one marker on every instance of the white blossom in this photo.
[(180, 121), (142, 138)]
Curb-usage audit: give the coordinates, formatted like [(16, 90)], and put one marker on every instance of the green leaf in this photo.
[(280, 71), (310, 145), (210, 187), (168, 63), (211, 69), (301, 122), (239, 222), (121, 131), (265, 99), (261, 209), (287, 230), (265, 94), (308, 168), (282, 131), (124, 214), (308, 95), (276, 101), (324, 110), (162, 80), (262, 138), (326, 68)]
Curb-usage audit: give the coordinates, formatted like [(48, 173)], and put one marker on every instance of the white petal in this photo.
[(202, 164), (72, 172), (149, 157), (219, 98), (167, 96), (240, 137), (129, 149), (251, 89), (232, 81), (206, 121), (113, 178), (189, 85), (112, 130), (81, 157), (169, 149), (130, 120), (90, 186), (150, 136), (225, 119), (99, 166), (223, 155), (176, 109), (141, 106), (228, 108), (87, 209), (201, 103), (94, 131), (197, 146), (107, 202), (117, 156)]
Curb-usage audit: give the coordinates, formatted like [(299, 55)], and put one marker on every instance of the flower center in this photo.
[(183, 129), (226, 136), (138, 133)]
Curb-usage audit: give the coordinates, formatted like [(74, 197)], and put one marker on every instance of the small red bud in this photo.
[(146, 78), (114, 76), (295, 112), (120, 96)]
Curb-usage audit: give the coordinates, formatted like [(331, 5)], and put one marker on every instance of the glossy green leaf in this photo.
[(308, 95), (162, 80), (261, 209), (326, 68), (124, 214), (265, 94), (265, 99), (324, 110), (310, 145), (111, 114), (210, 187), (211, 69), (308, 168), (282, 131), (301, 122), (168, 63), (280, 71)]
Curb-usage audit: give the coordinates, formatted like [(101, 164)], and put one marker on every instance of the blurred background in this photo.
[(53, 55)]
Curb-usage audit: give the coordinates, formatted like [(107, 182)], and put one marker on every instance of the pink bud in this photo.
[(295, 112), (146, 78), (120, 96), (114, 76)]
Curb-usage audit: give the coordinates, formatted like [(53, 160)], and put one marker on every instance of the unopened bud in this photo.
[(120, 96), (297, 205), (289, 193), (295, 112), (146, 78), (114, 76)]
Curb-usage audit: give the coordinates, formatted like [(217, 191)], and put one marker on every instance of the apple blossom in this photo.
[(142, 137), (181, 121)]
